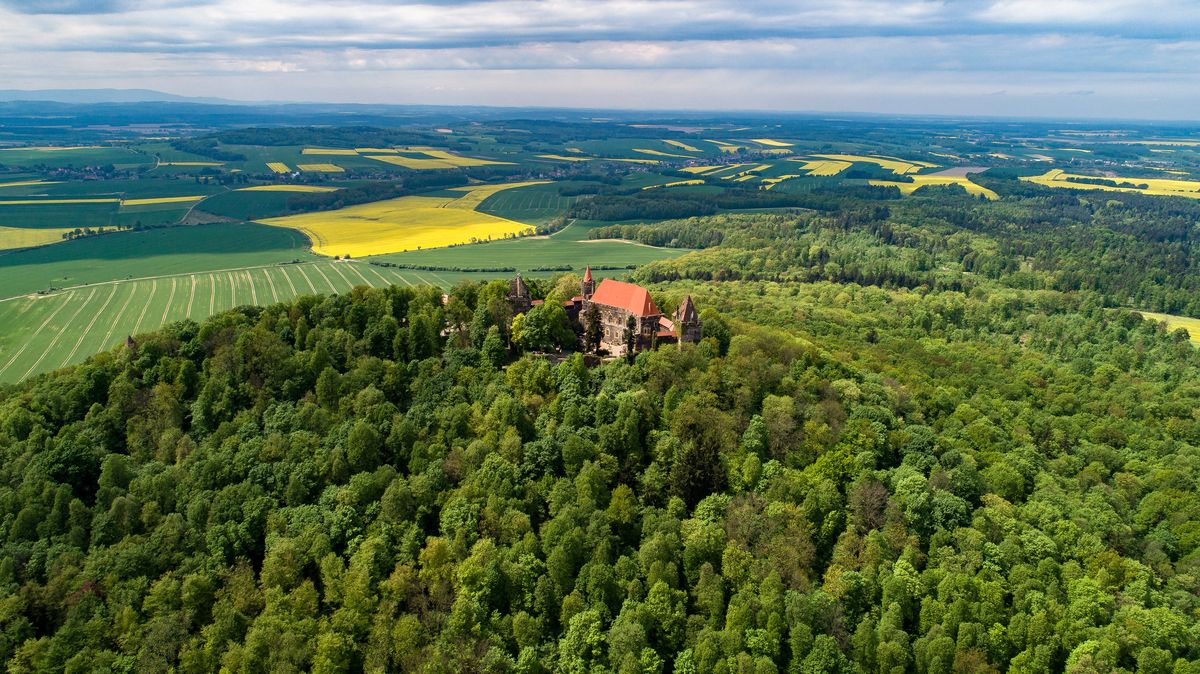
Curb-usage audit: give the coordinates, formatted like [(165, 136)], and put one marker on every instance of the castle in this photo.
[(612, 304)]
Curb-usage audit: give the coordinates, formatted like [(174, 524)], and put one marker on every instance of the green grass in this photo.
[(569, 246), (148, 253), (78, 158), (44, 333), (536, 204), (58, 215), (247, 205)]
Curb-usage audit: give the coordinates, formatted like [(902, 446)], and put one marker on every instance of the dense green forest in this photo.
[(908, 462)]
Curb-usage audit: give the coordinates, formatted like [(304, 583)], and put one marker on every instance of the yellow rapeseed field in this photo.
[(634, 161), (772, 182), (30, 202), (683, 146), (898, 166), (677, 183), (278, 167), (159, 200), (828, 167), (192, 163), (745, 175), (922, 181), (771, 143), (474, 195), (406, 223), (27, 183), (1162, 187), (375, 150), (47, 148), (433, 159), (560, 157), (657, 153), (20, 237), (700, 169), (724, 146), (287, 188), (329, 151), (1192, 325), (321, 168)]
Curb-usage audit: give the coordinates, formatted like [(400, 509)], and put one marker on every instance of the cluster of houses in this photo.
[(615, 303)]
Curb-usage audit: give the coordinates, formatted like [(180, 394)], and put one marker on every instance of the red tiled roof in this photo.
[(634, 299)]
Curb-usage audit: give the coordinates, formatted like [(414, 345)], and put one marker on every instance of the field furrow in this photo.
[(267, 275), (191, 297), (108, 334), (253, 291), (91, 324), (170, 302), (307, 280), (287, 277), (327, 281), (40, 330), (337, 268), (57, 334), (145, 307)]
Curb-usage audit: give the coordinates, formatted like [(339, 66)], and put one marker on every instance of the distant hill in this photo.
[(88, 96)]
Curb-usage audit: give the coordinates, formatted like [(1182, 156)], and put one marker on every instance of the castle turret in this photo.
[(588, 287), (687, 321), (518, 295)]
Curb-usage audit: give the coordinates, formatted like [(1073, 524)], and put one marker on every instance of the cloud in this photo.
[(1066, 46)]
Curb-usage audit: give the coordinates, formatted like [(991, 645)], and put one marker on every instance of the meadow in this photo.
[(1192, 325)]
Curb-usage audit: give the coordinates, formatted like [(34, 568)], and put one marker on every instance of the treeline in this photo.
[(206, 147), (332, 136), (663, 204), (306, 202)]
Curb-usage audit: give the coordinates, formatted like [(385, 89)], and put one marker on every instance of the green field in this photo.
[(44, 333), (77, 157), (536, 204), (148, 253), (569, 246), (247, 205)]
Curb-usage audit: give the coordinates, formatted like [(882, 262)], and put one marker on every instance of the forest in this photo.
[(895, 449)]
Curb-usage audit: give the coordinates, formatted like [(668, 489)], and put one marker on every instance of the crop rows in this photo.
[(44, 333)]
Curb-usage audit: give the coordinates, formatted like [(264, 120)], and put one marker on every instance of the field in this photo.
[(321, 168), (534, 205), (406, 223), (25, 237), (43, 333), (1162, 187), (279, 167), (57, 157), (771, 143), (683, 146), (826, 167), (898, 166), (925, 181), (1192, 325), (153, 252), (569, 246)]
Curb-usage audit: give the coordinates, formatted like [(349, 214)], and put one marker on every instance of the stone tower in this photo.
[(518, 296), (588, 287), (687, 321)]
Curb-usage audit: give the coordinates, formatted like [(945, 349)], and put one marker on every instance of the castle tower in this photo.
[(518, 295), (588, 287), (687, 321)]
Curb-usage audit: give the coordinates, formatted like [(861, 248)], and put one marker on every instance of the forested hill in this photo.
[(880, 481)]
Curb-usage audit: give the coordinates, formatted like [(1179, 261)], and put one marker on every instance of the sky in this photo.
[(1133, 59)]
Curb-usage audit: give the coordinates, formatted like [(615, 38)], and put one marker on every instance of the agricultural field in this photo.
[(1192, 325), (1153, 186), (569, 246), (59, 157), (919, 181), (406, 223), (154, 252), (45, 332), (825, 167), (898, 166)]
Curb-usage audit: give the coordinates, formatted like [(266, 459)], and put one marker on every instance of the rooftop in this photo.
[(633, 298)]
